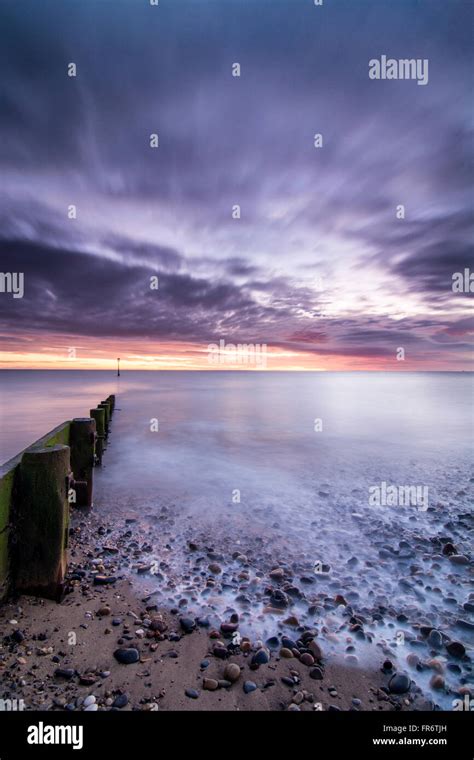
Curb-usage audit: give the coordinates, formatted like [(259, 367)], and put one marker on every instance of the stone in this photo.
[(277, 574), (249, 686), (215, 568), (437, 682), (66, 673), (261, 657), (90, 700), (435, 639), (456, 649), (232, 672), (120, 701), (458, 559), (104, 580), (287, 653), (315, 650), (209, 684), (307, 659), (316, 674), (399, 683), (192, 693), (187, 624), (127, 656)]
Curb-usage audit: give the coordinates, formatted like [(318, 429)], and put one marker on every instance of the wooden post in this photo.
[(106, 407), (99, 416), (41, 536), (111, 400), (82, 442)]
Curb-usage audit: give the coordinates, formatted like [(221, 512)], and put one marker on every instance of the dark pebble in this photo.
[(127, 656)]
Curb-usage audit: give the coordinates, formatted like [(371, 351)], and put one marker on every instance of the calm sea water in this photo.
[(239, 458)]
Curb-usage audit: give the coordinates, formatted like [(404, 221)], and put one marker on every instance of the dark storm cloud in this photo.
[(225, 141)]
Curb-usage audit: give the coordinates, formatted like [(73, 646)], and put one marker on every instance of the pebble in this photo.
[(456, 649), (66, 673), (91, 708), (209, 684), (261, 657), (249, 686), (90, 700), (399, 683), (307, 659), (232, 672), (435, 639), (437, 682), (315, 650), (284, 652), (127, 656), (187, 624), (192, 693), (104, 580), (215, 568), (120, 701), (316, 674)]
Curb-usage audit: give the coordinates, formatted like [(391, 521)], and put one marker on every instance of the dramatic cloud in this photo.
[(318, 265)]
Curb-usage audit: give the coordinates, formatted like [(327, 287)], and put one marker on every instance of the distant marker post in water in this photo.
[(118, 367)]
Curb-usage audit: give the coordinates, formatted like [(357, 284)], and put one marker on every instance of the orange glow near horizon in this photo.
[(60, 353)]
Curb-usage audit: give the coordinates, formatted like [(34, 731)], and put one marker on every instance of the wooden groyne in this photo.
[(38, 487)]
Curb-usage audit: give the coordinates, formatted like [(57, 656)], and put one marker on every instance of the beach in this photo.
[(224, 534)]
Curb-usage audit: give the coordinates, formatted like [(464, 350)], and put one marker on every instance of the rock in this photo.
[(277, 574), (232, 672), (90, 700), (192, 693), (287, 653), (399, 683), (127, 656), (292, 707), (307, 659), (157, 624), (66, 673), (316, 674), (103, 611), (279, 599), (18, 636), (387, 665), (261, 657), (187, 624), (249, 686), (220, 652), (91, 708), (315, 650), (209, 684), (104, 580), (273, 642), (120, 701), (458, 559), (88, 679), (215, 568), (435, 639), (204, 664), (456, 649)]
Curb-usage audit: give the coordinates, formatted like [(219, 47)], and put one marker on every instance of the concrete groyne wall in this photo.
[(38, 487)]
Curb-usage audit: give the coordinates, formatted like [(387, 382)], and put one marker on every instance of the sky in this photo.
[(320, 267)]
